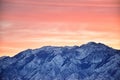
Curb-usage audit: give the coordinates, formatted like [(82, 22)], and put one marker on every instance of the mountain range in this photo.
[(91, 61)]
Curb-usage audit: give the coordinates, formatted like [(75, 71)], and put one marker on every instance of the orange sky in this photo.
[(35, 23)]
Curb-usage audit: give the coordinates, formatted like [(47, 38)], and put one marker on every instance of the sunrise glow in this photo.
[(35, 23)]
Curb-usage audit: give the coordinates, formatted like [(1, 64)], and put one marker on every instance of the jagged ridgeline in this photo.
[(91, 61)]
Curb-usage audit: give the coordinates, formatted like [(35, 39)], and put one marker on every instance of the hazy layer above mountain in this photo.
[(91, 61)]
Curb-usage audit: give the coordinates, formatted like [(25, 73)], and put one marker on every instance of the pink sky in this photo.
[(35, 23)]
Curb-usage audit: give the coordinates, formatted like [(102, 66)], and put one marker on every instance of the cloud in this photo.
[(34, 23), (58, 6), (20, 31)]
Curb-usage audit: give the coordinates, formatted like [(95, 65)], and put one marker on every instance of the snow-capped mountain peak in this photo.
[(91, 61)]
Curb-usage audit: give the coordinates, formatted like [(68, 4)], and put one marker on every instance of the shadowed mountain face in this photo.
[(91, 61)]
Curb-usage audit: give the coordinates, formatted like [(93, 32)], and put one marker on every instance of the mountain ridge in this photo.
[(91, 61)]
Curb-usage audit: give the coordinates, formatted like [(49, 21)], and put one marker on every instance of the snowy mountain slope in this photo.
[(91, 61)]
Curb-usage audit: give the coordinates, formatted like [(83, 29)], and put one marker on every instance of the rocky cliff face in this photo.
[(91, 61)]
